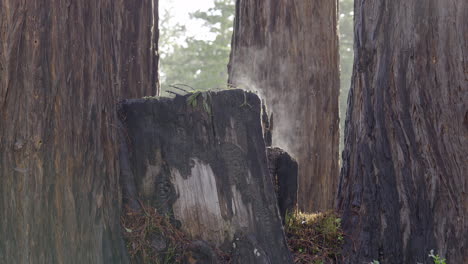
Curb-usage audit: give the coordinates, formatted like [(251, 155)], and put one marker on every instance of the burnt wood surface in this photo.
[(63, 67), (205, 165), (288, 52), (283, 172), (403, 188)]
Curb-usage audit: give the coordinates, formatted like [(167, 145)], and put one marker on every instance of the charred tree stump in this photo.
[(283, 172), (63, 66), (288, 52), (201, 158), (403, 188)]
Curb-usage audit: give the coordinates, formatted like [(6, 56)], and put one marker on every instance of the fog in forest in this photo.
[(195, 46), (137, 132)]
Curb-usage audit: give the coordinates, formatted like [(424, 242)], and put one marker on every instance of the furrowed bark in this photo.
[(403, 188), (288, 52), (63, 67)]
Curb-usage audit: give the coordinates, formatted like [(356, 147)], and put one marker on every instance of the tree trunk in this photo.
[(63, 66), (403, 188), (288, 52)]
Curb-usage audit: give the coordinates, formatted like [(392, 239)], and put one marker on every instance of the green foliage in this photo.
[(314, 238), (436, 258), (192, 100), (199, 62)]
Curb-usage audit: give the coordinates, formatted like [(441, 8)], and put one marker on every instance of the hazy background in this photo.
[(195, 38)]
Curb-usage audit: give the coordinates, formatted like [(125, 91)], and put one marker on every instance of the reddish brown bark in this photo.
[(288, 52), (63, 67)]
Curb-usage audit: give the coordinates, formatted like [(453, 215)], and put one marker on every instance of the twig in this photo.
[(178, 88), (173, 93), (193, 89)]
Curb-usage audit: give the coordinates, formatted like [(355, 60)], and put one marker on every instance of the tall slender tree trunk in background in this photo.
[(403, 188), (288, 52), (63, 67)]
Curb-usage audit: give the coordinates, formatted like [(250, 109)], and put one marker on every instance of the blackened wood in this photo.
[(205, 164), (403, 188), (283, 172)]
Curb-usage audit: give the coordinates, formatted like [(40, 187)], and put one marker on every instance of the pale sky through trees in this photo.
[(180, 10)]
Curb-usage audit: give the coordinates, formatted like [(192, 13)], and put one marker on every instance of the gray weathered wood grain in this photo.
[(208, 170)]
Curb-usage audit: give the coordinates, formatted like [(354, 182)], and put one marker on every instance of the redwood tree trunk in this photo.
[(403, 188), (288, 52), (63, 66)]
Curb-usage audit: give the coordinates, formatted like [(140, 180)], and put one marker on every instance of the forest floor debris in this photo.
[(314, 238), (151, 237), (154, 238)]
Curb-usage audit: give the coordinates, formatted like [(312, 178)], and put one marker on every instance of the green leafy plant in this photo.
[(192, 100), (436, 258)]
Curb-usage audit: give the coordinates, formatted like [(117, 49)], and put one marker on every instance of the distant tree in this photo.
[(199, 63), (288, 51)]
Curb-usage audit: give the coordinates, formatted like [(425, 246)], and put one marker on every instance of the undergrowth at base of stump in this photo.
[(314, 238), (153, 238)]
